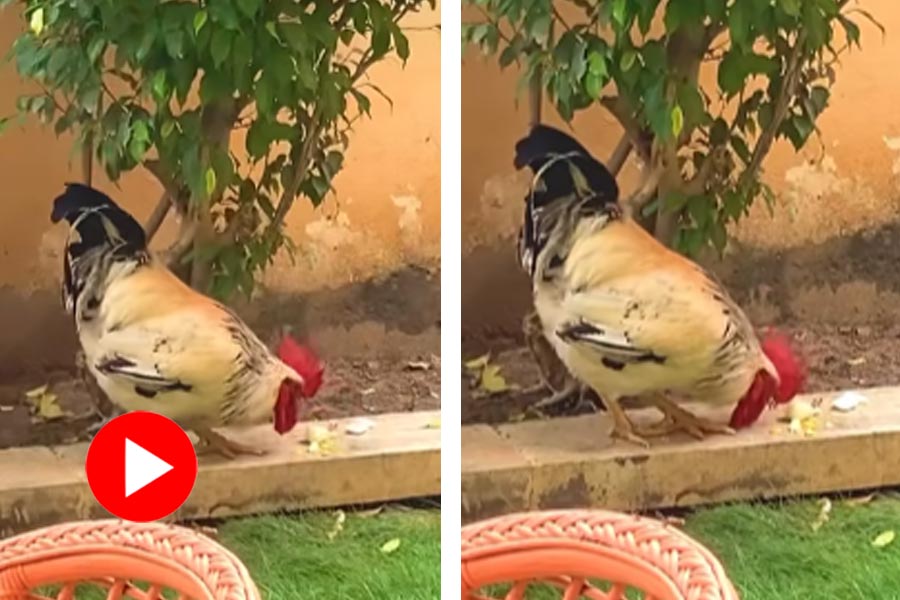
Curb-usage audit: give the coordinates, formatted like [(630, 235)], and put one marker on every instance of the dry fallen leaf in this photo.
[(418, 365), (824, 514), (476, 364), (492, 381), (339, 518), (372, 512), (884, 538), (391, 546), (861, 500), (4, 408), (44, 403), (854, 362), (36, 392)]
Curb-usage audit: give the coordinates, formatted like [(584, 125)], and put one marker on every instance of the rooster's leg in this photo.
[(553, 373), (679, 419), (210, 441), (623, 428)]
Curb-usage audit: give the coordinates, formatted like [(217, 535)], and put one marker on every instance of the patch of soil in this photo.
[(351, 388), (837, 358)]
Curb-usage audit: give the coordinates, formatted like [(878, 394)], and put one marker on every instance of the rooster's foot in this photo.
[(678, 419), (623, 428), (212, 442), (569, 391)]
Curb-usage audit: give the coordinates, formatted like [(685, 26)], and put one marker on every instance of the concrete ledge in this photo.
[(400, 457), (571, 462)]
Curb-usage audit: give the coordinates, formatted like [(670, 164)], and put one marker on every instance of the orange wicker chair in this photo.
[(114, 556), (587, 554)]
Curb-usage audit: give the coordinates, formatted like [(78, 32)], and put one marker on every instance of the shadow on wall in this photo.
[(391, 317), (848, 281)]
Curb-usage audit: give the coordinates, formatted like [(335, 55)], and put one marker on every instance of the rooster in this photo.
[(627, 316), (152, 343)]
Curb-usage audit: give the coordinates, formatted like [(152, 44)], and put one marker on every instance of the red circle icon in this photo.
[(141, 466)]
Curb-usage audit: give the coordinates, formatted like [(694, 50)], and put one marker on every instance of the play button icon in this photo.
[(141, 466)]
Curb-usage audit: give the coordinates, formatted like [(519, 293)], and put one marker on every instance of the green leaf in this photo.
[(677, 120), (692, 104), (851, 29), (160, 86), (174, 41), (401, 43), (295, 36), (167, 128), (220, 46), (593, 85), (365, 105), (248, 7), (200, 20), (264, 95), (627, 60), (815, 25), (718, 234), (739, 18), (731, 73), (675, 201), (683, 12), (740, 148), (790, 7), (210, 181)]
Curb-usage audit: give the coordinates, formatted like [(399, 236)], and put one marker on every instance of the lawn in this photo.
[(771, 551), (304, 556)]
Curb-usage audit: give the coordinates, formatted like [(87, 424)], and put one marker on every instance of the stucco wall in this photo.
[(846, 186), (383, 218)]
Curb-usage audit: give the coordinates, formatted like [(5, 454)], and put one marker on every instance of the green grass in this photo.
[(770, 551), (292, 557)]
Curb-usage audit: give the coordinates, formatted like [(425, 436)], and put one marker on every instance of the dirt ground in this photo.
[(837, 358), (351, 388)]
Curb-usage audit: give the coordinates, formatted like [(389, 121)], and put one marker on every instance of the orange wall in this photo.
[(850, 182), (385, 212)]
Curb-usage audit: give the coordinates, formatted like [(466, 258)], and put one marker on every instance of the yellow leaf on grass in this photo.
[(391, 546), (492, 381), (884, 538), (824, 514), (339, 518), (476, 364), (861, 500)]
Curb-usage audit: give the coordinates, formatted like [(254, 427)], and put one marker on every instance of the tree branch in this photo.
[(620, 155), (301, 168), (157, 216), (172, 189), (782, 103), (644, 194), (623, 114)]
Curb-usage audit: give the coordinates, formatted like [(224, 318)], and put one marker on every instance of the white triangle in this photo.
[(142, 467)]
